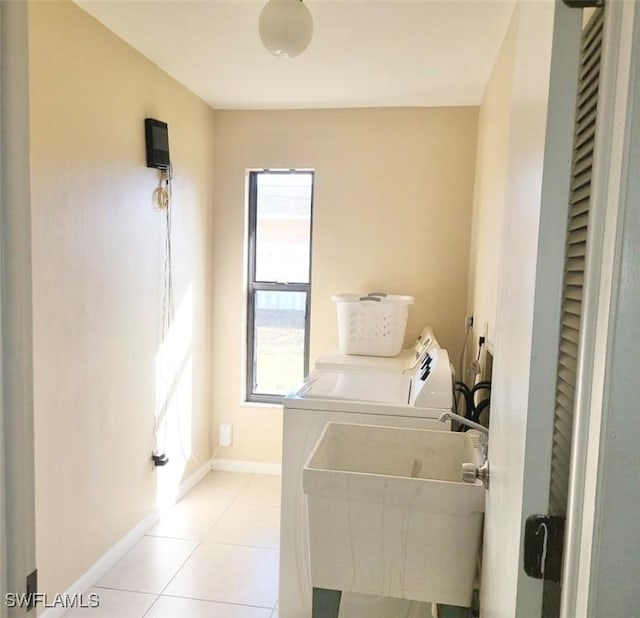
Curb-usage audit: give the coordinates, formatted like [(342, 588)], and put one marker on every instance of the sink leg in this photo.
[(326, 603)]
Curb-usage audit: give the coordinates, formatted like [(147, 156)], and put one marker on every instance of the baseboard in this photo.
[(187, 485), (104, 563), (252, 467), (112, 556)]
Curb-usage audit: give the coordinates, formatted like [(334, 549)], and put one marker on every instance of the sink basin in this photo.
[(389, 513)]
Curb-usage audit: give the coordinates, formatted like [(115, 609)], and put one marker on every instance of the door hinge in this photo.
[(32, 590), (543, 546)]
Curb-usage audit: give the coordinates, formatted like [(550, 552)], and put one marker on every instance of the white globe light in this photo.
[(285, 27)]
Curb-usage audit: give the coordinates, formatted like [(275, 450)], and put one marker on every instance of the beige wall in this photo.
[(489, 201), (494, 173), (510, 281), (97, 285), (392, 209)]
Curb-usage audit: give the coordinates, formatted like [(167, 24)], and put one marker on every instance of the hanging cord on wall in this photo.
[(162, 201), (474, 367), (467, 333), (162, 193)]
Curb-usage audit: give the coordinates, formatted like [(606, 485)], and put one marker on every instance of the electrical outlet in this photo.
[(226, 434), (468, 322)]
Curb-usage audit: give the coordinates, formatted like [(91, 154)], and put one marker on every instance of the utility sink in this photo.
[(390, 515)]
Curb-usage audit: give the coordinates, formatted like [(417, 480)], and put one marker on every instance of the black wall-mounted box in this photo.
[(157, 140)]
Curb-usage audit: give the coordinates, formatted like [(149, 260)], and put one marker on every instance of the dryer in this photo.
[(405, 362), (376, 398)]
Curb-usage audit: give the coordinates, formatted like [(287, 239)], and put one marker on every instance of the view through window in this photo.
[(280, 205)]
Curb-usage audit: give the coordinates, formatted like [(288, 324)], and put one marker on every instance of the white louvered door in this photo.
[(576, 249), (573, 284)]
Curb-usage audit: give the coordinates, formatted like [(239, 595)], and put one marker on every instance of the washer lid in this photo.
[(337, 361), (351, 386)]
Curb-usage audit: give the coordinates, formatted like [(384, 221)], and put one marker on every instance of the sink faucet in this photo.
[(473, 471), (450, 416)]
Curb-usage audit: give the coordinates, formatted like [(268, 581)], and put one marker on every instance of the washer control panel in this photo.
[(432, 382)]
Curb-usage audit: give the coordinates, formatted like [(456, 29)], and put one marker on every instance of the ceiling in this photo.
[(364, 53)]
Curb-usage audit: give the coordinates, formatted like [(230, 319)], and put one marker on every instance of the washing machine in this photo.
[(375, 398), (405, 362)]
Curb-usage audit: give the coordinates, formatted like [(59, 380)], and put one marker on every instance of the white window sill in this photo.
[(258, 404)]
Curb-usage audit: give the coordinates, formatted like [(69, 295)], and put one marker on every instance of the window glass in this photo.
[(279, 341), (283, 227), (280, 205)]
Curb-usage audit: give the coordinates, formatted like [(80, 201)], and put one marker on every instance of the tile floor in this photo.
[(213, 555)]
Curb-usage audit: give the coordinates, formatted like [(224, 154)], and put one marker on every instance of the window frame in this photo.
[(254, 286)]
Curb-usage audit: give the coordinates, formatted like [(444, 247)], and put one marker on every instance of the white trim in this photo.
[(609, 161), (126, 543), (4, 83), (588, 359), (259, 404), (187, 485), (17, 327), (621, 195), (251, 467), (104, 563)]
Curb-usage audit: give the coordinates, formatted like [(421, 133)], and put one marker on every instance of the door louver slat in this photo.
[(574, 292), (565, 387), (577, 249), (591, 36), (581, 194), (583, 111), (591, 65), (583, 165), (579, 208), (585, 135), (578, 236), (579, 222), (575, 264), (568, 347), (571, 321), (569, 334), (572, 307), (583, 151), (587, 95), (590, 79), (581, 179)]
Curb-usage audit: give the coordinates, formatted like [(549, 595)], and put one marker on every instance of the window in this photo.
[(279, 282)]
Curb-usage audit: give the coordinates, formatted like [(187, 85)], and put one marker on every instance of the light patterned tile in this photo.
[(189, 519), (113, 604), (248, 524), (149, 566), (262, 490), (229, 574), (173, 607), (221, 485)]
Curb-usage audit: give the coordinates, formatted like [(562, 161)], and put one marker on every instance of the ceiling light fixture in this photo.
[(285, 27)]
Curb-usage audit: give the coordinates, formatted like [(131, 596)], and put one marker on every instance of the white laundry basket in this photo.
[(372, 325)]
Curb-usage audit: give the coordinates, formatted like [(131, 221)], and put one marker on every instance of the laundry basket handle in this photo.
[(376, 299)]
